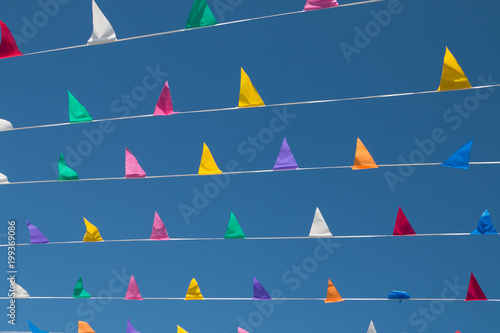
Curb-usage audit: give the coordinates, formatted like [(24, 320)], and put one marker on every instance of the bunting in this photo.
[(133, 290), (320, 4), (8, 46), (207, 163), (332, 295), (103, 31), (5, 125), (362, 158), (460, 158), (485, 226), (234, 230), (474, 292), (78, 291), (92, 234), (249, 97), (259, 292), (77, 112), (193, 292), (285, 160), (319, 228), (84, 327), (36, 236), (65, 172), (159, 231), (200, 15), (132, 167), (164, 106), (402, 226), (453, 77)]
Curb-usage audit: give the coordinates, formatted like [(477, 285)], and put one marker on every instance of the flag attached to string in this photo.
[(133, 290), (371, 328), (319, 228), (332, 295), (193, 292), (485, 226), (362, 158), (200, 15), (453, 77), (396, 294), (249, 97), (234, 230), (8, 46), (240, 330), (92, 234), (285, 160), (164, 106), (460, 158), (84, 327), (207, 163), (5, 125), (320, 4), (181, 330), (103, 31), (65, 172), (130, 328), (132, 167), (36, 235), (402, 225), (3, 179), (159, 231), (78, 291), (475, 293), (77, 112), (19, 292), (35, 329), (259, 292)]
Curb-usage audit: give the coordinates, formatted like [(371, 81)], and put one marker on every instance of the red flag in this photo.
[(8, 46), (402, 227), (475, 293)]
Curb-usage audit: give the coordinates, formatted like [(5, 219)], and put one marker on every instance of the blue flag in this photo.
[(460, 158), (484, 226), (35, 329)]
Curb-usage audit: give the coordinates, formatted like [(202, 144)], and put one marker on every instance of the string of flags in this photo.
[(319, 229)]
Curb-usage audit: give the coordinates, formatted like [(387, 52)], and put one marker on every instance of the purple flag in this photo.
[(285, 160), (36, 235), (259, 293), (130, 328)]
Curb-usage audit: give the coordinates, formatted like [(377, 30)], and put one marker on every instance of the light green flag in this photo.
[(200, 15), (77, 112), (65, 172), (79, 292), (234, 230)]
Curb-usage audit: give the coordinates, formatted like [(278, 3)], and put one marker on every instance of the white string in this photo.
[(248, 238), (264, 106), (234, 173)]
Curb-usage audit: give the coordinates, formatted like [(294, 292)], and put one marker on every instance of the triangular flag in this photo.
[(181, 330), (475, 293), (320, 4), (371, 328), (396, 294), (20, 292), (460, 158), (159, 231), (77, 112), (207, 163), (193, 292), (36, 235), (92, 234), (132, 167), (259, 293), (485, 226), (35, 329), (453, 77), (200, 15), (285, 160), (402, 226), (103, 31), (8, 46), (240, 330), (248, 94), (130, 328), (332, 295), (65, 172), (164, 105), (84, 327), (319, 228), (133, 290), (79, 292), (362, 158), (3, 179), (234, 230), (5, 125)]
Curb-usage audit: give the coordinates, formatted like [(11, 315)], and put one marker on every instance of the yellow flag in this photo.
[(84, 327), (248, 94), (92, 234), (207, 164), (362, 158), (193, 292), (453, 76), (181, 330)]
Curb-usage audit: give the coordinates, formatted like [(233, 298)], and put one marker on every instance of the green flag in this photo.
[(79, 292), (77, 112), (65, 172), (200, 15), (233, 229)]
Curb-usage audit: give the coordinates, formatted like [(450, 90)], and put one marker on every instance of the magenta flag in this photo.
[(164, 105), (320, 4), (132, 167)]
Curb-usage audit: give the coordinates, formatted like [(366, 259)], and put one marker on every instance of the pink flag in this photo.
[(240, 330), (132, 167), (402, 226), (133, 290), (8, 46), (164, 105), (320, 4), (159, 231)]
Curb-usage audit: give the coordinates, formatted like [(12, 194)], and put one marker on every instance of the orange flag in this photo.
[(83, 327), (362, 158), (332, 295)]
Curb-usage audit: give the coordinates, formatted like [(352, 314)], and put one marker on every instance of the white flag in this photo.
[(319, 229), (103, 31)]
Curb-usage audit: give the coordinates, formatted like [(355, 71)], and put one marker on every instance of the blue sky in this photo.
[(289, 59)]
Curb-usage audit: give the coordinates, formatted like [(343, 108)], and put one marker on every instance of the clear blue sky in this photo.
[(290, 58)]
